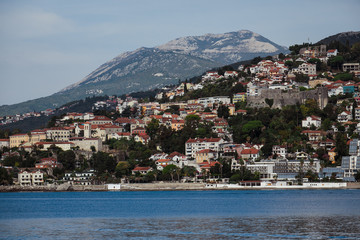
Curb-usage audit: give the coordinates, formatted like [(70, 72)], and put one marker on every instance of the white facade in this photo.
[(265, 169), (4, 143), (192, 146), (58, 134), (26, 178), (79, 178), (311, 120), (212, 100), (279, 150), (344, 116)]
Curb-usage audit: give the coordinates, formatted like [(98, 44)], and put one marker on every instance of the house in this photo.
[(48, 163), (205, 155), (206, 166), (28, 178), (239, 97), (141, 170), (120, 135), (177, 124), (192, 146), (307, 68), (240, 112), (279, 150), (345, 116), (162, 163), (250, 154), (332, 53), (311, 120), (313, 135), (143, 138), (230, 74), (4, 143)]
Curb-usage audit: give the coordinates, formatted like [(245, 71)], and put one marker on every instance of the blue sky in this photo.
[(48, 45)]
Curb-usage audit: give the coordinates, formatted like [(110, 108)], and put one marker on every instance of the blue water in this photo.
[(273, 214)]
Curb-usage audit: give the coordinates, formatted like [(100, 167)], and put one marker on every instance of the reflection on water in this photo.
[(185, 228)]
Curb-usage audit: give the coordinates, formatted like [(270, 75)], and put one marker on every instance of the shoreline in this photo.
[(160, 187)]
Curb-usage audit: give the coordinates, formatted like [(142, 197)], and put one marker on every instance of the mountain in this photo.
[(344, 38), (149, 68)]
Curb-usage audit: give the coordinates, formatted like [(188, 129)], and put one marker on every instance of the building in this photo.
[(75, 178), (4, 143), (17, 139), (214, 100), (350, 165), (311, 121), (205, 155), (29, 178), (48, 163), (351, 67), (239, 97), (63, 145), (306, 68), (100, 120), (58, 134), (141, 170), (264, 169), (192, 146), (345, 116), (250, 154), (279, 150)]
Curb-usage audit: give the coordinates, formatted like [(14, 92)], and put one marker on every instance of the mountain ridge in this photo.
[(149, 68)]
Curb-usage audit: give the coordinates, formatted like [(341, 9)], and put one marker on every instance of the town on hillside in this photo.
[(291, 118)]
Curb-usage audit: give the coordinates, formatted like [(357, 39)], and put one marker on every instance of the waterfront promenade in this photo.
[(161, 186)]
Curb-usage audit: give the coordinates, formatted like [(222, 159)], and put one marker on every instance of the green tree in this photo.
[(5, 177), (170, 170), (68, 160), (223, 111), (103, 162)]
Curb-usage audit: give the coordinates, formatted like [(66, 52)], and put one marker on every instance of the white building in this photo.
[(279, 150), (192, 146), (28, 178), (83, 178), (211, 100), (311, 120), (344, 116), (58, 134), (4, 143), (306, 68)]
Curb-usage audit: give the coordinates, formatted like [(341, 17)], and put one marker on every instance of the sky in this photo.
[(47, 45)]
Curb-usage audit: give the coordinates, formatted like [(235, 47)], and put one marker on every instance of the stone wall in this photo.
[(290, 97)]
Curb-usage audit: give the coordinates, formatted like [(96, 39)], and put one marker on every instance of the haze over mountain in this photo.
[(149, 68)]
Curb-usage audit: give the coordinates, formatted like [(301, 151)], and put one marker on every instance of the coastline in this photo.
[(158, 187)]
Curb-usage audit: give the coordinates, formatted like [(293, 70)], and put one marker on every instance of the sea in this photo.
[(223, 214)]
